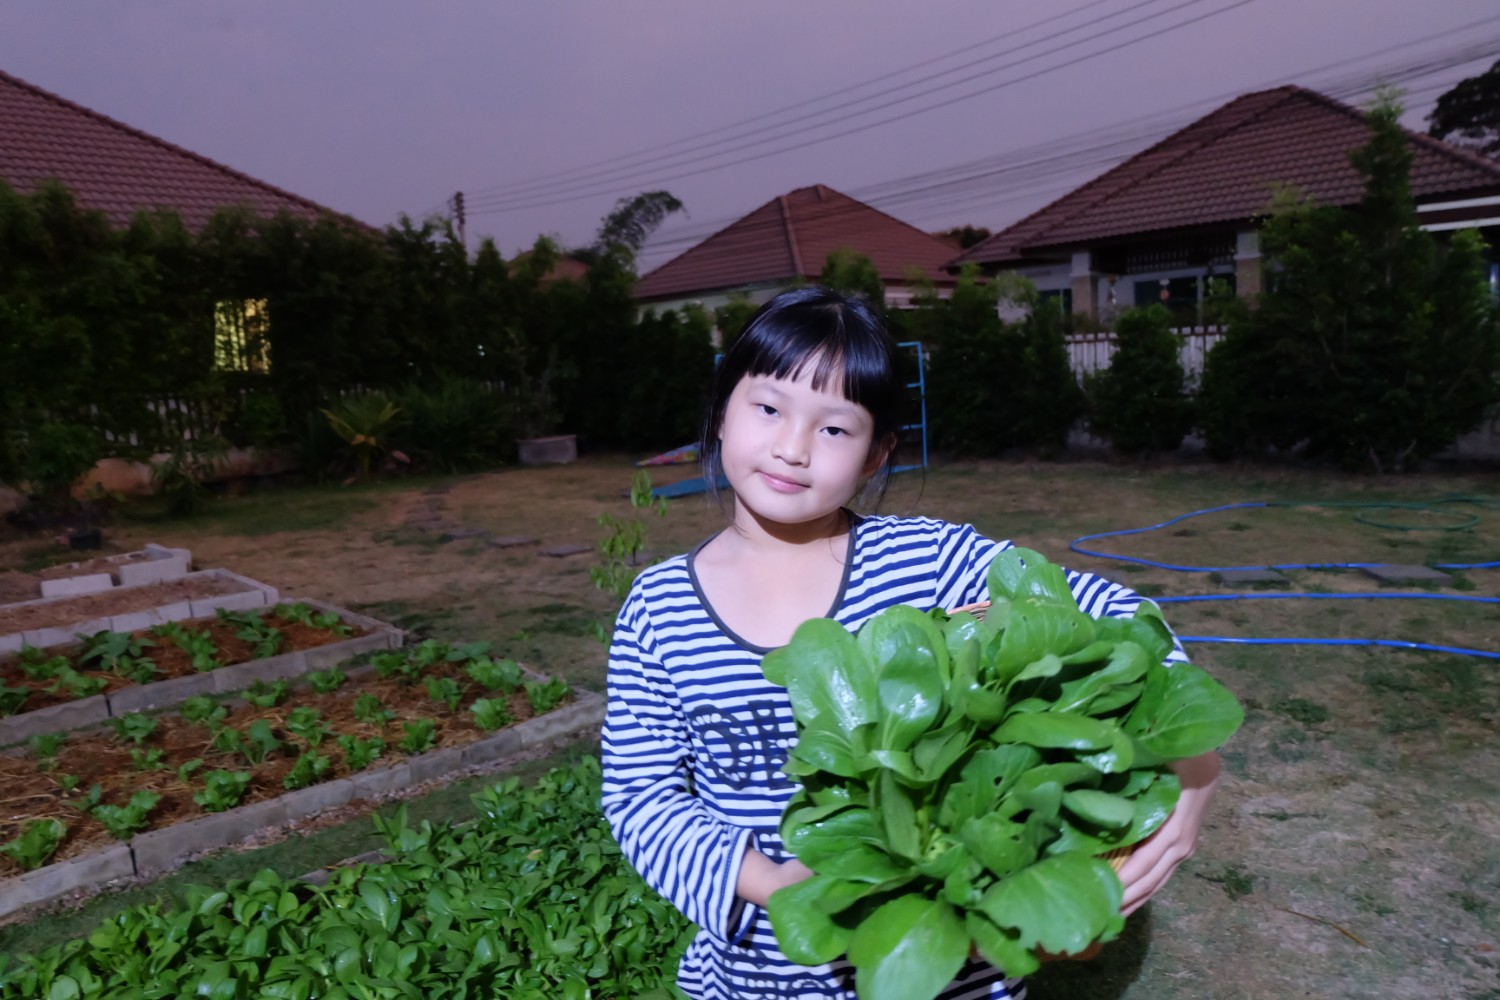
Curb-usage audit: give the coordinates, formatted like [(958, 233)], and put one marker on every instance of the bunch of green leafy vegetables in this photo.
[(531, 901), (961, 777)]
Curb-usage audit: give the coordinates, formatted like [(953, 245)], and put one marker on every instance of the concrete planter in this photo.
[(559, 449), (247, 594), (224, 680), (158, 851)]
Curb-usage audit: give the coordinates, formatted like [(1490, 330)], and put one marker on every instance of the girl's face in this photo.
[(792, 453)]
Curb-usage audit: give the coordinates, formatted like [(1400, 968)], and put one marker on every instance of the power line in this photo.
[(620, 161), (957, 184), (493, 208), (620, 172)]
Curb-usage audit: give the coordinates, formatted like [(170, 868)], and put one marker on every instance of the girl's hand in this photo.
[(1156, 857)]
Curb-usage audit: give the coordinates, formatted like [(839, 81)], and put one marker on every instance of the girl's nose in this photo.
[(790, 446)]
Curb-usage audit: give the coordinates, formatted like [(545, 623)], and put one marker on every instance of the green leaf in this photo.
[(1099, 808), (1183, 712), (997, 843), (1018, 572), (828, 751), (910, 693), (908, 949), (841, 844), (1000, 947), (805, 932), (898, 816), (1052, 730), (1062, 903), (830, 685), (1036, 630)]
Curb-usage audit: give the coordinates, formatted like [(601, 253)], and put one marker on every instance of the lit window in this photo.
[(242, 340)]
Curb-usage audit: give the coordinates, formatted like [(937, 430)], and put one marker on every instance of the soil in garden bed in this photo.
[(172, 660), (105, 603), (35, 789)]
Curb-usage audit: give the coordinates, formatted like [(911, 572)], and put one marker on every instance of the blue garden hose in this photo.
[(1467, 522)]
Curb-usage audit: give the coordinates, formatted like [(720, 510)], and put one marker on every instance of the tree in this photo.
[(1373, 344), (1469, 114), (848, 270), (633, 220), (964, 237), (1140, 401)]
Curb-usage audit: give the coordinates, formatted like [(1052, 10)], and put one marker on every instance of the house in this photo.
[(787, 240), (119, 170), (1158, 226)]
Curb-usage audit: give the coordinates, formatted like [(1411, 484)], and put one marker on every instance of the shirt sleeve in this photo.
[(686, 854), (964, 557)]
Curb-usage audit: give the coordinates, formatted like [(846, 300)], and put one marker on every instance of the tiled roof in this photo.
[(119, 170), (1223, 168), (790, 237)]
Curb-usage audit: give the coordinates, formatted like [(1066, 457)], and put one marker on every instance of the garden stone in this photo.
[(41, 638), (58, 879), (160, 850), (242, 601), (510, 541), (435, 764), (586, 712), (272, 668), (181, 611), (54, 719), (160, 694), (562, 551), (1251, 576), (89, 627), (504, 743), (460, 534), (1399, 573), (320, 657), (318, 798), (75, 586), (12, 643), (382, 781), (153, 571), (135, 621)]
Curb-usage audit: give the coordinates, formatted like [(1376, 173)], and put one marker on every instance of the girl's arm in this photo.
[(760, 876), (1157, 857), (684, 852)]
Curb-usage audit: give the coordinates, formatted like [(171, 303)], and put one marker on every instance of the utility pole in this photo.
[(457, 203)]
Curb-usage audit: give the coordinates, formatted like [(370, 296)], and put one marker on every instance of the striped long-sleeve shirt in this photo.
[(695, 737)]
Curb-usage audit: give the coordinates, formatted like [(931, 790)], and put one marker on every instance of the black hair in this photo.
[(841, 336)]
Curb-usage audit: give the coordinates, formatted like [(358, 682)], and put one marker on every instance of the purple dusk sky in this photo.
[(379, 107)]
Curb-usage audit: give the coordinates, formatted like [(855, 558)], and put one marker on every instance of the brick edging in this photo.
[(157, 851)]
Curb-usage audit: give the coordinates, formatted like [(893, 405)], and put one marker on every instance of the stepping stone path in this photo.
[(1241, 577), (561, 551), (427, 516), (1399, 573)]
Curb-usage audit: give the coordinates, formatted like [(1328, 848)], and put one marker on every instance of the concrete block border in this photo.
[(164, 694), (248, 593), (158, 851)]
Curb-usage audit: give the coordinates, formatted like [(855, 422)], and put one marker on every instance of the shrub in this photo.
[(455, 425), (1139, 403)]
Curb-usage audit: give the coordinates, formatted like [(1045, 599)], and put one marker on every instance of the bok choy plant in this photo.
[(961, 777)]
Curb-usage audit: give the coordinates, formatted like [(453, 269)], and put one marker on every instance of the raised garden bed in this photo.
[(151, 564), (55, 621), (110, 674), (219, 770)]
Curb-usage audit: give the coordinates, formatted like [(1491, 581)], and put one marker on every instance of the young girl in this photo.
[(804, 411)]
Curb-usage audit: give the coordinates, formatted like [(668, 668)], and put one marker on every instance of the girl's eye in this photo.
[(767, 409), (835, 431)]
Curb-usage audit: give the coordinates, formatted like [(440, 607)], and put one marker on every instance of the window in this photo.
[(242, 340)]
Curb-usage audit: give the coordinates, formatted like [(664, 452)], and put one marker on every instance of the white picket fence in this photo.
[(1091, 352)]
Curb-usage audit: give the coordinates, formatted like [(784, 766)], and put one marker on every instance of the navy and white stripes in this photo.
[(695, 737)]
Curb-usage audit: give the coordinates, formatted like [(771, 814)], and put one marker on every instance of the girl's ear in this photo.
[(879, 453)]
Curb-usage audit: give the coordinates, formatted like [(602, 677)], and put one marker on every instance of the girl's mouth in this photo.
[(781, 485)]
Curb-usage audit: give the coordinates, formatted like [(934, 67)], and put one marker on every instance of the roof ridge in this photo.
[(1465, 156), (172, 147), (882, 212), (1197, 144), (791, 235)]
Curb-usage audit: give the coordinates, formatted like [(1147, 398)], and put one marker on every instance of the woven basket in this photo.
[(1119, 855)]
